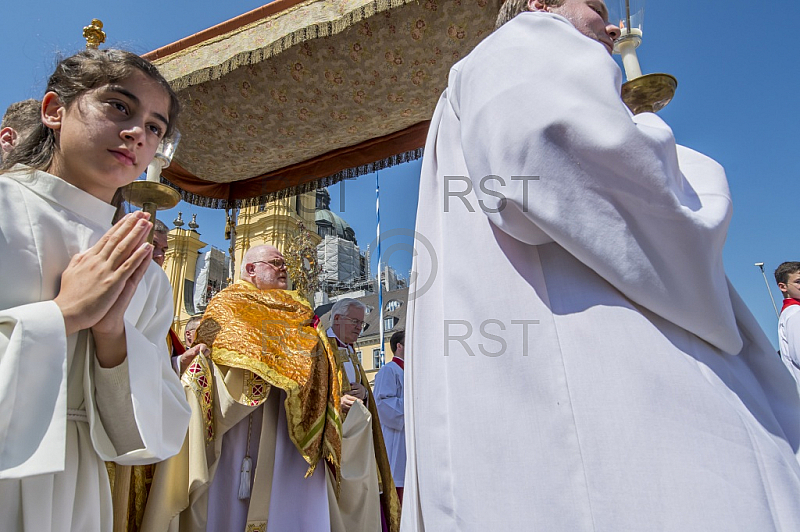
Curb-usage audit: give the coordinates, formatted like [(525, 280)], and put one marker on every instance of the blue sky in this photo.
[(736, 102)]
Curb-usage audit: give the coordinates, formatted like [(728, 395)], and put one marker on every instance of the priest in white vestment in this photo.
[(368, 498), (61, 414), (581, 362)]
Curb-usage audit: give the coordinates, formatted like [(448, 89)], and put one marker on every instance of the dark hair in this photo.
[(512, 8), (74, 76), (397, 338), (783, 271), (22, 116)]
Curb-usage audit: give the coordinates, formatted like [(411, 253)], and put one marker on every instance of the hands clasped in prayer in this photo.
[(98, 284)]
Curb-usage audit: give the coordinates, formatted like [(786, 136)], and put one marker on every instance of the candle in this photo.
[(627, 49), (154, 170), (164, 154)]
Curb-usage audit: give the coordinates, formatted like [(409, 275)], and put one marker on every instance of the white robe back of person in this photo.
[(389, 399), (53, 432), (580, 361), (789, 339)]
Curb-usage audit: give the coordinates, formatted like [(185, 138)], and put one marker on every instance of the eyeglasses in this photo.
[(354, 321), (278, 264)]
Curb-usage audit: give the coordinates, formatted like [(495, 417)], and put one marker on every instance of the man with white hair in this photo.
[(581, 362), (347, 322), (362, 437), (265, 413)]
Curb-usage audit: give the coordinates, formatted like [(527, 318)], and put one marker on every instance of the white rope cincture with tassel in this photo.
[(247, 466), (244, 481)]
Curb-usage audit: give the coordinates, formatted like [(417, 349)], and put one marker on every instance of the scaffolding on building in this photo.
[(211, 276)]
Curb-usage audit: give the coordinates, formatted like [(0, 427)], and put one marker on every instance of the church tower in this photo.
[(180, 264)]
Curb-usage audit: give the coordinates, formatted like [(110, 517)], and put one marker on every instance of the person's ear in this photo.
[(8, 137), (782, 287), (536, 5), (52, 111)]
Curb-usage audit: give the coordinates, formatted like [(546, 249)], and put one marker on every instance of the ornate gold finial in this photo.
[(94, 34)]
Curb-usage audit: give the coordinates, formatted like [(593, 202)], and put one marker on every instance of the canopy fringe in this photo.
[(349, 173), (314, 31)]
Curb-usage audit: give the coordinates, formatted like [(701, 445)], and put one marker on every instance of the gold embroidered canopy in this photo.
[(300, 94)]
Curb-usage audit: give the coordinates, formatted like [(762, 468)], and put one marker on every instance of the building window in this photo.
[(298, 205), (377, 359), (358, 354), (393, 305), (389, 322)]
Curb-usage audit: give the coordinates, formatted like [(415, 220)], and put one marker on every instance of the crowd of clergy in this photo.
[(578, 360)]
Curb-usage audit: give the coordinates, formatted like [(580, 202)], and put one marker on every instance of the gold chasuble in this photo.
[(259, 339), (273, 335)]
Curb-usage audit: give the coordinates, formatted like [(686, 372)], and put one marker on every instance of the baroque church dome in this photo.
[(328, 222)]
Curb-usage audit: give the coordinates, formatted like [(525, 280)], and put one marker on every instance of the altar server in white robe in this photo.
[(787, 276), (84, 373), (389, 399), (581, 361)]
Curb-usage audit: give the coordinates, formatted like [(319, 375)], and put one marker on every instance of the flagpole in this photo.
[(380, 270)]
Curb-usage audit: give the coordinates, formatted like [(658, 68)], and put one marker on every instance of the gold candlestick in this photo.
[(151, 195), (641, 93)]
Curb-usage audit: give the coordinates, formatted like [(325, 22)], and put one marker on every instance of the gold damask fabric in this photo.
[(141, 480), (273, 335), (319, 76)]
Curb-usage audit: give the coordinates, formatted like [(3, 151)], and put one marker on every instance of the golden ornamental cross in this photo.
[(94, 34)]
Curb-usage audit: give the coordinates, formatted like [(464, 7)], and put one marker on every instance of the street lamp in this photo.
[(760, 266)]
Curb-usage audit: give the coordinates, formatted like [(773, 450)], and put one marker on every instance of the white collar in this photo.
[(60, 192)]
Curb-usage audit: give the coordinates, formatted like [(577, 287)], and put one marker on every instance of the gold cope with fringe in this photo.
[(273, 335)]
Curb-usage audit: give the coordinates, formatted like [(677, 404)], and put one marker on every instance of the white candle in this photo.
[(627, 49), (154, 170)]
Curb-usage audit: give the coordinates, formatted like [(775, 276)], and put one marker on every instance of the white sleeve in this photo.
[(33, 390), (389, 399), (115, 406), (792, 329), (550, 149), (161, 413)]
